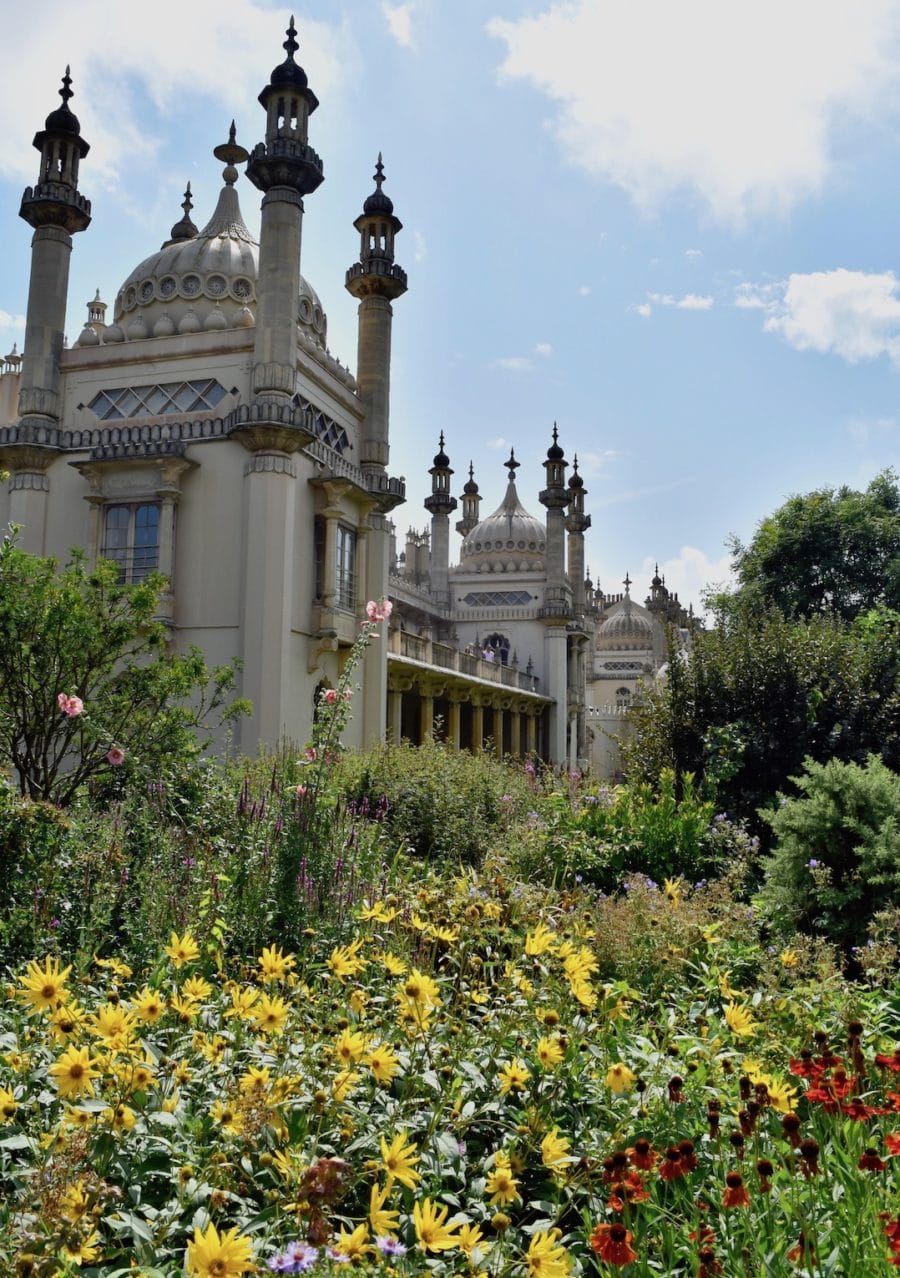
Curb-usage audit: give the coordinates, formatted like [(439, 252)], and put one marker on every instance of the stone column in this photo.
[(426, 716), (557, 683), (531, 733), (515, 745), (453, 718), (29, 489), (477, 726), (395, 706)]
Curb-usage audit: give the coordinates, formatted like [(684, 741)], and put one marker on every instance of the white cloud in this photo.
[(597, 464), (693, 253), (757, 297), (853, 314), (689, 302), (866, 430), (733, 103), (420, 248), (211, 57), (543, 348), (514, 364), (644, 309), (399, 20), (583, 290), (689, 573), (12, 321), (497, 444)]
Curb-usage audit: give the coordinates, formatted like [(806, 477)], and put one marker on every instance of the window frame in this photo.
[(136, 558)]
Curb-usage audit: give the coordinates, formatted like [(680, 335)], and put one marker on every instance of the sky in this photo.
[(670, 228)]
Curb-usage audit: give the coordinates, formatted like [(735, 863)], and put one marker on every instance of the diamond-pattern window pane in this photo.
[(497, 598), (156, 400)]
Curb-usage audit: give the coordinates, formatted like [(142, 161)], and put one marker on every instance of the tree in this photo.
[(758, 694), (829, 551), (88, 683)]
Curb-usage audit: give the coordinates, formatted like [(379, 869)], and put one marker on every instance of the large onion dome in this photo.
[(509, 540)]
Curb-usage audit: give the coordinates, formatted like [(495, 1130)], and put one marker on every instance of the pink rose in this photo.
[(71, 706), (379, 611), (115, 756), (329, 696)]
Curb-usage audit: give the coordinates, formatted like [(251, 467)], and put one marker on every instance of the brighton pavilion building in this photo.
[(204, 430)]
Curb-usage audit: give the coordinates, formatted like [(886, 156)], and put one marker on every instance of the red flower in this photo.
[(803, 1252), (612, 1243), (672, 1166), (643, 1155), (869, 1161), (630, 1189), (892, 1141), (688, 1157), (890, 1062), (615, 1166), (735, 1192)]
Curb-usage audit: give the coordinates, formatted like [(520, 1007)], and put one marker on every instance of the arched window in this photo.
[(499, 646), (623, 698)]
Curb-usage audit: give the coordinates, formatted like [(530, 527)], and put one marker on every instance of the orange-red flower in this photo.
[(612, 1243), (735, 1191), (803, 1252), (642, 1154), (630, 1189), (869, 1161), (889, 1062), (892, 1141), (672, 1165)]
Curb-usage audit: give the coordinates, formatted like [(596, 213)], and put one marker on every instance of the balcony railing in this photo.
[(444, 657)]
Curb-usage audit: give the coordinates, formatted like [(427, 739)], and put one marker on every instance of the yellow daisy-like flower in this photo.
[(421, 989), (501, 1186), (182, 949), (243, 1000), (513, 1077), (274, 964), (44, 988), (619, 1078), (73, 1203), (726, 990), (350, 1046), (739, 1020), (471, 1241), (358, 1001), (73, 1073), (212, 1255), (270, 1015), (148, 1005), (197, 987), (782, 1096), (384, 1064), (549, 1052), (114, 965), (540, 941), (377, 913), (382, 1222), (673, 889), (555, 1151), (585, 993), (399, 1160), (344, 1082), (79, 1250), (580, 965), (353, 1245), (122, 1118), (186, 1009), (432, 1233), (391, 963), (228, 1116), (345, 960), (545, 1257), (789, 959), (8, 1106), (448, 935), (67, 1020), (114, 1025), (255, 1081)]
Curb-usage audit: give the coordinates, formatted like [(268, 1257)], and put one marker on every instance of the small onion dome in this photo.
[(113, 333), (378, 202), (441, 460), (88, 337), (184, 228), (470, 486), (554, 452), (62, 120), (575, 480), (288, 73), (657, 580), (164, 326)]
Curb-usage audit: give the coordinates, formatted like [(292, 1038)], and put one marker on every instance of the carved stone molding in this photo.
[(261, 438), (274, 377), (39, 402), (271, 463), (29, 481)]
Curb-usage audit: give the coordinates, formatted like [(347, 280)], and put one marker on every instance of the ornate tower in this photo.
[(577, 523), (471, 500), (441, 505), (285, 168), (557, 606), (56, 210), (376, 280)]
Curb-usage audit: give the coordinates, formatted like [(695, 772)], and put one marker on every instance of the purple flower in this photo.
[(390, 1246), (813, 864)]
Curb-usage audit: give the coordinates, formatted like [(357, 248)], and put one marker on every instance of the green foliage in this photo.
[(602, 837), (79, 634), (758, 693), (836, 862), (441, 804), (828, 551)]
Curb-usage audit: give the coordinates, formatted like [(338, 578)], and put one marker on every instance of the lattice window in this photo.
[(326, 430), (623, 665), (157, 400), (131, 539), (497, 598)]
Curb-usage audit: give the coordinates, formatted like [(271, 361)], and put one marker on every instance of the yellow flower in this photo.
[(580, 965), (255, 1081), (782, 1096), (470, 1238), (148, 1005), (789, 958), (354, 1245), (78, 1250), (44, 987), (500, 1184), (555, 1151), (421, 989), (378, 913), (73, 1203), (345, 960), (383, 1063), (392, 964), (350, 1047), (726, 990), (382, 1222), (213, 1256), (116, 966), (619, 1078), (114, 1025), (739, 1020), (185, 1009), (182, 949), (545, 1258), (67, 1020), (274, 964), (8, 1106), (449, 935), (399, 1160), (549, 1052), (358, 1001), (584, 992), (242, 1002), (122, 1118), (344, 1082), (513, 1077), (540, 940), (74, 1073), (197, 987), (228, 1117), (431, 1231), (270, 1015), (673, 889)]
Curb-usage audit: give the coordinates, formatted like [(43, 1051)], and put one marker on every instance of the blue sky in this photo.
[(672, 228)]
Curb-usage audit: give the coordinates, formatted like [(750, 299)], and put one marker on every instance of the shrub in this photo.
[(836, 862)]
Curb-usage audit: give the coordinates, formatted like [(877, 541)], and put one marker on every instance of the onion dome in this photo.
[(575, 480), (440, 458), (378, 202), (509, 540), (626, 630), (63, 120), (198, 279), (554, 452), (288, 74), (470, 487)]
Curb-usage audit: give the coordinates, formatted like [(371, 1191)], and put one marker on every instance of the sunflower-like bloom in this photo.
[(148, 1005), (555, 1151), (545, 1257), (739, 1020), (243, 1000), (345, 960), (501, 1185), (354, 1245), (270, 1015), (382, 1222), (350, 1046), (513, 1077), (384, 1064), (399, 1160), (44, 988), (212, 1255), (432, 1233), (8, 1106), (274, 964), (73, 1073), (549, 1052), (182, 949), (619, 1078), (113, 1025), (539, 941), (612, 1243)]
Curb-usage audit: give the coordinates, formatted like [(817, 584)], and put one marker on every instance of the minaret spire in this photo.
[(441, 505)]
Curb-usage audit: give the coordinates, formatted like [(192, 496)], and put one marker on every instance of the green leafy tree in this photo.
[(829, 551), (89, 686)]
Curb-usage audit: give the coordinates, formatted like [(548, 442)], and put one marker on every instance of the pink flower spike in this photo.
[(62, 701), (115, 756), (386, 608), (301, 791), (71, 706), (329, 696), (348, 694), (371, 613)]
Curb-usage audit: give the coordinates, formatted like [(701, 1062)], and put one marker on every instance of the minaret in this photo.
[(376, 280), (556, 497), (285, 168), (441, 505), (56, 210), (557, 606), (577, 522), (471, 500)]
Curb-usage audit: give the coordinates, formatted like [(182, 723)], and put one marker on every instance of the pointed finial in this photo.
[(290, 45), (512, 465), (471, 470), (66, 91), (555, 433), (187, 203), (441, 441), (231, 153), (627, 583), (378, 175)]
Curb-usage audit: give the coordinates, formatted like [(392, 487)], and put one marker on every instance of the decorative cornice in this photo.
[(31, 481), (271, 463)]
